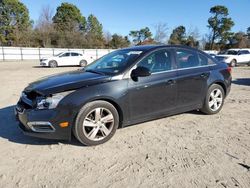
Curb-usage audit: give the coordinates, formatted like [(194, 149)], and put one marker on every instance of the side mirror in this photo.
[(140, 72)]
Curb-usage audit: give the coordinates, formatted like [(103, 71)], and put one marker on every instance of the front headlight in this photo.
[(51, 101)]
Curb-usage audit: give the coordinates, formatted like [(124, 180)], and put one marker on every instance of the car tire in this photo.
[(214, 100), (233, 63), (83, 63), (96, 123), (53, 64)]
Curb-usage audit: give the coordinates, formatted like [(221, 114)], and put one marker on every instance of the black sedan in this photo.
[(125, 87)]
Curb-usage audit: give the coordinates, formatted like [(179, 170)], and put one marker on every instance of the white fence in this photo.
[(21, 53)]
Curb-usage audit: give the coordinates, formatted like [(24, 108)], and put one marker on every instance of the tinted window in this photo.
[(157, 61), (203, 60), (66, 54), (231, 52), (186, 58), (74, 54), (244, 52)]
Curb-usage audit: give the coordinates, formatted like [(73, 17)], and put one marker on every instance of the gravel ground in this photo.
[(186, 150)]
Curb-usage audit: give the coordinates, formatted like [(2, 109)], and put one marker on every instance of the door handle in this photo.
[(204, 75), (171, 82)]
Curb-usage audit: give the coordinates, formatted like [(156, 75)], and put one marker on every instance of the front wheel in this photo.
[(52, 64), (214, 99), (96, 123), (83, 63), (233, 63)]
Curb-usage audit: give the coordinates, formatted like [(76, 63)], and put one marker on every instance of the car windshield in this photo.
[(114, 62)]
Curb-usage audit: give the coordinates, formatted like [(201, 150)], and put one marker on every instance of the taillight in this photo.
[(229, 69)]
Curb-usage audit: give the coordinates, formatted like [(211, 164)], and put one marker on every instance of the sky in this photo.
[(122, 16)]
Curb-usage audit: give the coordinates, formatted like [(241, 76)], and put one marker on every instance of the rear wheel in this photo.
[(214, 99), (233, 63), (96, 123), (53, 64), (83, 63)]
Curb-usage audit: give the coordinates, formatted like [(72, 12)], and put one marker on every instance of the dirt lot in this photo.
[(187, 150)]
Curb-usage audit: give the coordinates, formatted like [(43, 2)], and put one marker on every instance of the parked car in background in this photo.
[(64, 59), (122, 88), (234, 57), (212, 53)]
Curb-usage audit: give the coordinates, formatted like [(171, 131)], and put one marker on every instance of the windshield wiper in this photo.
[(94, 71)]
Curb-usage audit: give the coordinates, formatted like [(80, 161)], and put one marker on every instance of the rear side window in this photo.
[(74, 54), (186, 58), (203, 60), (157, 61), (242, 52)]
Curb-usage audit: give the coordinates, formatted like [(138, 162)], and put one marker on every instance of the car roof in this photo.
[(237, 49), (145, 48)]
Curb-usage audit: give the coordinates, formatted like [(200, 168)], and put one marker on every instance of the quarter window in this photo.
[(186, 58), (158, 61)]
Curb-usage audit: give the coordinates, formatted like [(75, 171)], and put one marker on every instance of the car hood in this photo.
[(65, 81)]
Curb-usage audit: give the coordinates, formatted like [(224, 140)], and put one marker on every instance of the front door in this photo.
[(64, 59), (155, 94)]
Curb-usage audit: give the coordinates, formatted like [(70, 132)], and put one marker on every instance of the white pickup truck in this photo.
[(235, 57)]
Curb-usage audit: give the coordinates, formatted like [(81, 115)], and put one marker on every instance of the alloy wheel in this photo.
[(215, 99), (98, 124)]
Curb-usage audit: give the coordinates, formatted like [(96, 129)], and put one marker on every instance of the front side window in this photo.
[(158, 61), (232, 52), (186, 58), (65, 54)]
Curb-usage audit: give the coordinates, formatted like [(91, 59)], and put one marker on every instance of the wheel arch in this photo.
[(220, 83), (117, 107), (111, 101)]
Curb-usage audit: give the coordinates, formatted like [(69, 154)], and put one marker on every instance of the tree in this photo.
[(69, 18), (193, 37), (178, 35), (220, 24), (161, 32), (94, 32), (238, 40), (248, 32), (119, 41), (44, 27), (139, 36), (14, 22)]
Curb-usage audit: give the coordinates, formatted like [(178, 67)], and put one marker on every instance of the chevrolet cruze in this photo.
[(122, 88)]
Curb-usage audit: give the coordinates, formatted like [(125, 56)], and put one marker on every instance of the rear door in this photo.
[(155, 94), (192, 76)]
